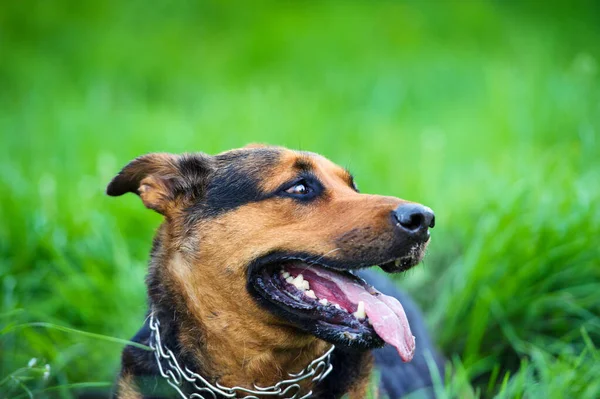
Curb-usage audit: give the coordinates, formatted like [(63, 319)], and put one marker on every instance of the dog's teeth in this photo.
[(285, 274), (323, 301), (305, 285), (290, 279), (310, 294), (360, 312), (397, 262), (299, 282), (337, 306)]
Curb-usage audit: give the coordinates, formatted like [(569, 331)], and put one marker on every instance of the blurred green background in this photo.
[(487, 111)]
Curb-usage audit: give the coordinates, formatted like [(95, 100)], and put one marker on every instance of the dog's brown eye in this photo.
[(303, 189), (298, 189)]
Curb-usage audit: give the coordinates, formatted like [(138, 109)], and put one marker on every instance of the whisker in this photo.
[(311, 262)]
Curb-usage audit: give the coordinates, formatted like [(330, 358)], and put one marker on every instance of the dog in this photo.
[(257, 284)]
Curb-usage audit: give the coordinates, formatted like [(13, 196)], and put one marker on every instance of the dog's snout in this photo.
[(414, 219)]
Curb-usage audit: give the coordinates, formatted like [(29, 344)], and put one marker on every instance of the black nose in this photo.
[(414, 219)]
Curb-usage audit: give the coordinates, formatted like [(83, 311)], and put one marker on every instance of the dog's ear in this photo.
[(164, 181)]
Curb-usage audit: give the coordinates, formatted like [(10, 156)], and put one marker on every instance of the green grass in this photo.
[(488, 112)]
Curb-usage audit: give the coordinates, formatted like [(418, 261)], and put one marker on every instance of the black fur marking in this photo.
[(195, 170), (347, 367), (141, 364), (236, 181), (304, 165), (378, 247)]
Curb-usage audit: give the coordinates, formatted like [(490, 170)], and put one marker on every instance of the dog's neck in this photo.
[(222, 341), (217, 357)]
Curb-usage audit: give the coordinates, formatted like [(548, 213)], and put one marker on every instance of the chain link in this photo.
[(175, 375)]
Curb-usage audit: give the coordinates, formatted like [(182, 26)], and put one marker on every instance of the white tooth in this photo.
[(310, 294), (299, 282), (285, 274), (323, 301), (360, 312), (337, 306), (397, 262), (305, 285), (289, 279)]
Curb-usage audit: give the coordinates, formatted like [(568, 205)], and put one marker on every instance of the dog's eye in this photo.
[(303, 189), (300, 188)]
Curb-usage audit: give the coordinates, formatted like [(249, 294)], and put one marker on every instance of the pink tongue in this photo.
[(385, 312)]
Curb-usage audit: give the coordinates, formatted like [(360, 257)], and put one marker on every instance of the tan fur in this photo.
[(256, 347), (154, 194), (259, 346), (126, 388), (245, 344)]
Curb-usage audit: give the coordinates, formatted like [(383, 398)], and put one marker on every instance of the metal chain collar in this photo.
[(290, 388)]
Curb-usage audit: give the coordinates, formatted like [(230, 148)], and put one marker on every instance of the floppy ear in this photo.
[(164, 181)]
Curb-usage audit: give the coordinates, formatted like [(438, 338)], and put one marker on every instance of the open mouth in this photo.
[(334, 305)]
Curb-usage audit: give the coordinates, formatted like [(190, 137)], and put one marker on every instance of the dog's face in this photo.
[(281, 231)]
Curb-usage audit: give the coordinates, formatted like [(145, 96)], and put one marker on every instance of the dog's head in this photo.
[(276, 234)]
